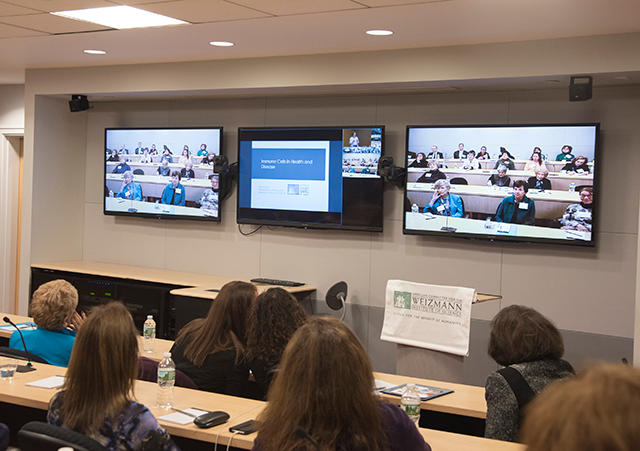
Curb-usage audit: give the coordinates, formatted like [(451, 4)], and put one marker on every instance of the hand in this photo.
[(77, 321), (582, 228)]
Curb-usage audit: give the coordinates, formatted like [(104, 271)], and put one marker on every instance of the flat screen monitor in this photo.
[(503, 182), (163, 173), (315, 177)]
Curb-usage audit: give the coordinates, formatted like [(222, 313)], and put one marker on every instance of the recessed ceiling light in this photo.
[(379, 32), (120, 17), (221, 43), (95, 52)]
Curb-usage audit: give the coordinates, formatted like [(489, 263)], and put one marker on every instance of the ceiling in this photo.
[(30, 37)]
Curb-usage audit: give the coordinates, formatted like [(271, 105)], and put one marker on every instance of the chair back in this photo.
[(138, 171), (458, 181), (38, 436)]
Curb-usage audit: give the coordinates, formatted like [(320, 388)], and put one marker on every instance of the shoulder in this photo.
[(401, 432)]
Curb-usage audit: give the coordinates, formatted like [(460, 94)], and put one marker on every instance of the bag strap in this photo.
[(522, 390)]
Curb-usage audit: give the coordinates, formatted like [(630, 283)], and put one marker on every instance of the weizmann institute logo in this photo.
[(402, 299)]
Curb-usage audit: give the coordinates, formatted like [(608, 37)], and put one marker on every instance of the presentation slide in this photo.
[(290, 175)]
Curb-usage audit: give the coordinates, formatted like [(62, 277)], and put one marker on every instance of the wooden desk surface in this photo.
[(466, 400), (17, 319), (240, 410)]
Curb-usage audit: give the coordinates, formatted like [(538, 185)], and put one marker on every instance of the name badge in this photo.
[(523, 206), (179, 191), (579, 171), (440, 208)]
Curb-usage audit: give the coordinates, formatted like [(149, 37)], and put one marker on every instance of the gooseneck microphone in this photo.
[(301, 433), (21, 368)]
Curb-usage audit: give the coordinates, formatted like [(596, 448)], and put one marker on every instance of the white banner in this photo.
[(428, 316)]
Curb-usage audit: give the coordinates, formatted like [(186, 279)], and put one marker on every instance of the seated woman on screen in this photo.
[(185, 157), (211, 350), (146, 157), (443, 203), (153, 150), (535, 163), (434, 174), (579, 216), (187, 171), (130, 190), (203, 150), (324, 391), (518, 208), (164, 170), (420, 161), (106, 356), (471, 163), (208, 159), (540, 181), (166, 155), (505, 160), (529, 344), (209, 199), (174, 193), (114, 156), (578, 165), (122, 167), (483, 155), (275, 316), (53, 308), (565, 154), (500, 179)]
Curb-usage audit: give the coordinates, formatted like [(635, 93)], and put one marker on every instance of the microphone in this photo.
[(302, 434), (21, 368)]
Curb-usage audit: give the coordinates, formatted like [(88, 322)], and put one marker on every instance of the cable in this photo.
[(231, 438), (250, 233), (231, 420)]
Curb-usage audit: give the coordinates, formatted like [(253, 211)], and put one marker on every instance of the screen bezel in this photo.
[(503, 238), (211, 219), (303, 224)]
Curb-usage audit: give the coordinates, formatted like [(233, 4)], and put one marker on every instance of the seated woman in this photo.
[(565, 154), (535, 163), (130, 189), (114, 156), (471, 163), (434, 174), (106, 355), (146, 157), (531, 347), (274, 318), (164, 170), (209, 199), (174, 193), (578, 165), (443, 203), (579, 216), (505, 160), (53, 308), (518, 208), (186, 156), (499, 179), (324, 390), (483, 154), (211, 350), (167, 155), (203, 150), (187, 171), (122, 167), (598, 410), (420, 161), (540, 181), (208, 159)]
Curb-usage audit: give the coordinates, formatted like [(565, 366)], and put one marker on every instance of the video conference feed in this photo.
[(162, 172), (521, 183), (310, 177)]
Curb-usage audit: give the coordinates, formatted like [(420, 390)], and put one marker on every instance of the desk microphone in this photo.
[(301, 433), (21, 368)]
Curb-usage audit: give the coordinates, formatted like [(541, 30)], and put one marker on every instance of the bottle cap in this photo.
[(411, 386), (149, 316), (167, 354)]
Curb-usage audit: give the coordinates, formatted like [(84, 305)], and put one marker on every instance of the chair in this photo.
[(148, 371), (38, 436), (458, 181), (20, 355), (138, 171)]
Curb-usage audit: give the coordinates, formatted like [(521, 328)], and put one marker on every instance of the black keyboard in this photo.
[(283, 283)]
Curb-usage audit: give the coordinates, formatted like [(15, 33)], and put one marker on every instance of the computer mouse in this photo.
[(211, 419)]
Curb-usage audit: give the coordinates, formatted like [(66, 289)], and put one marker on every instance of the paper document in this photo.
[(49, 382), (181, 418), (21, 326)]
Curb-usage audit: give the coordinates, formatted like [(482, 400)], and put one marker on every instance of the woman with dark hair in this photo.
[(432, 175), (578, 165), (506, 160), (211, 350), (324, 388), (97, 396), (531, 348), (274, 318), (420, 161)]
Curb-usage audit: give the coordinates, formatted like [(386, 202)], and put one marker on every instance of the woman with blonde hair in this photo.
[(53, 308), (323, 398), (211, 350), (97, 396)]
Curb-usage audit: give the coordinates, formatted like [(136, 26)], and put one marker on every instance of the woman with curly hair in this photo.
[(276, 315)]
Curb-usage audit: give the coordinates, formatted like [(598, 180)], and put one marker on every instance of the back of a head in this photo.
[(597, 411), (521, 334), (53, 304), (325, 386)]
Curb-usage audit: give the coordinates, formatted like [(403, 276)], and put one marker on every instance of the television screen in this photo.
[(316, 177), (503, 182), (164, 173)]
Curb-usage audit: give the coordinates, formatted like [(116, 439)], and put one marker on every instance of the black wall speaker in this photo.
[(580, 89), (78, 103)]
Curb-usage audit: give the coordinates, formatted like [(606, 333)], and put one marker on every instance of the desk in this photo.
[(122, 205), (153, 185), (202, 171), (240, 410)]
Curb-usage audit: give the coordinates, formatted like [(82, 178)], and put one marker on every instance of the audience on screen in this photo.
[(579, 216), (138, 150), (174, 193), (203, 150), (505, 160), (187, 171), (153, 150), (208, 159), (598, 410), (123, 150), (578, 165), (538, 150), (531, 348), (483, 154), (434, 154), (166, 155), (130, 189), (324, 389), (500, 179), (114, 156), (185, 157), (210, 197), (540, 181), (122, 167), (275, 316), (420, 161), (444, 203), (517, 208), (53, 308), (97, 398), (471, 163), (432, 175), (164, 170), (565, 154), (535, 163), (146, 157), (211, 350), (460, 153)]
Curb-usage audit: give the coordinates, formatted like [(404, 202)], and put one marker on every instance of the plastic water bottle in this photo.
[(572, 186), (414, 210), (166, 380), (110, 193), (410, 403), (149, 334)]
